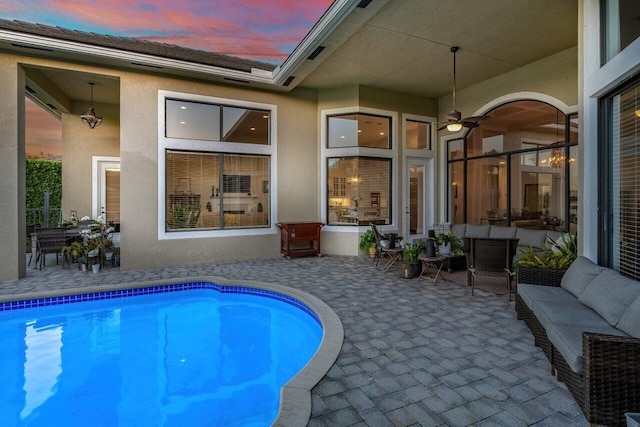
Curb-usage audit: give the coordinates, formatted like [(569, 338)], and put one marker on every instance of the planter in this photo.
[(405, 271), (417, 268), (95, 268), (83, 267), (372, 252), (109, 255), (445, 248), (93, 252)]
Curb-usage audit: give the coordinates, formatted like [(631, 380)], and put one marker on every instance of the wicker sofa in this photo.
[(527, 237), (587, 322)]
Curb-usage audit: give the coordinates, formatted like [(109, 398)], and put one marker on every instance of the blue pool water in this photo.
[(191, 357)]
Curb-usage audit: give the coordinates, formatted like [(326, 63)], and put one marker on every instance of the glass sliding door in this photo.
[(418, 212)]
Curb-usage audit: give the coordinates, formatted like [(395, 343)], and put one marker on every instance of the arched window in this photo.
[(518, 168)]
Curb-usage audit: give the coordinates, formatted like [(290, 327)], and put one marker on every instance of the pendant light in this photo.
[(90, 118)]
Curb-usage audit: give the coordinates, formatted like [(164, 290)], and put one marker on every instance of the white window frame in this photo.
[(382, 153), (165, 143)]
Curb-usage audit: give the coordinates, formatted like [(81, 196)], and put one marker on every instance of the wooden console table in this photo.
[(299, 238)]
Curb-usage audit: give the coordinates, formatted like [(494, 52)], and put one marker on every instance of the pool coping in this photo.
[(295, 395)]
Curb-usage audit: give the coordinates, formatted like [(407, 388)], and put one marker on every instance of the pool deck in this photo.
[(413, 353)]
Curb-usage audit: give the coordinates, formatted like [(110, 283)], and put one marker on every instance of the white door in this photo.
[(418, 198), (106, 188)]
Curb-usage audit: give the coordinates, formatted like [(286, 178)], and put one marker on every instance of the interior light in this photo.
[(359, 130), (342, 136), (454, 127), (381, 133), (637, 113), (252, 129), (265, 116), (183, 107), (183, 123)]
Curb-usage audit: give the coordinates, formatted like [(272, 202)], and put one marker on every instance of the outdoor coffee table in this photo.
[(431, 261)]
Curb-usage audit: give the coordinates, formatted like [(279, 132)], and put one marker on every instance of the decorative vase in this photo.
[(95, 268), (109, 255), (417, 268), (445, 248), (372, 252)]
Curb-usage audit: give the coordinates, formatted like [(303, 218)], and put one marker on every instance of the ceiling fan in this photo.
[(455, 122)]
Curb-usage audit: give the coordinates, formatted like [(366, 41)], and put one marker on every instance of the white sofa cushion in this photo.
[(581, 272), (479, 231), (567, 339), (610, 294), (630, 320), (532, 293), (498, 232)]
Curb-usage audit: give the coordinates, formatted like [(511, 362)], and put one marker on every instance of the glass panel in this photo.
[(625, 185), (416, 199), (359, 130), (359, 191), (456, 149), (487, 191), (244, 181), (192, 120), (418, 135), (538, 190), (456, 195), (244, 125), (197, 198), (516, 126), (573, 189), (112, 196), (189, 176), (620, 25)]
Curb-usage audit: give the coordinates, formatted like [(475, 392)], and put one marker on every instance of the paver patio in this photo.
[(413, 353)]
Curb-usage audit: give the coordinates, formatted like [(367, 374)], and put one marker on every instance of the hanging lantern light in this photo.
[(90, 118)]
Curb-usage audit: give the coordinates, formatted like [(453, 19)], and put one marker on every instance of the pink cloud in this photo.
[(257, 29)]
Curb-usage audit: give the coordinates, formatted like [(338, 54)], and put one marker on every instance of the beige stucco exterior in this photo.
[(130, 131)]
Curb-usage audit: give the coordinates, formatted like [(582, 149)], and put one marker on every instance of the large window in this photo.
[(517, 168), (216, 191), (359, 191), (358, 161), (216, 162), (621, 193)]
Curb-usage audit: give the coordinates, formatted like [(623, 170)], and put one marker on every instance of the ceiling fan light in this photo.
[(454, 127)]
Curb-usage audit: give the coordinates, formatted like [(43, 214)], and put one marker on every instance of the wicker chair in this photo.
[(49, 241), (490, 257)]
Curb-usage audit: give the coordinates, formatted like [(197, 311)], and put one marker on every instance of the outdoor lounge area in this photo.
[(413, 353)]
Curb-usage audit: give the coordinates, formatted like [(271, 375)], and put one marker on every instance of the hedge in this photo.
[(43, 175)]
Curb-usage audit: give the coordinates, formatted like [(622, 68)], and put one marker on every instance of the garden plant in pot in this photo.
[(448, 244), (410, 255), (548, 266), (74, 251), (368, 243)]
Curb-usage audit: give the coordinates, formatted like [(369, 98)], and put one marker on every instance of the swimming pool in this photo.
[(179, 354)]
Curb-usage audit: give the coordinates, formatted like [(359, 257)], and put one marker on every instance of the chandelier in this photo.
[(90, 118), (557, 158)]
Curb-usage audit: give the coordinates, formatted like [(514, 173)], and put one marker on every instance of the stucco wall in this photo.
[(555, 76), (80, 144), (297, 173)]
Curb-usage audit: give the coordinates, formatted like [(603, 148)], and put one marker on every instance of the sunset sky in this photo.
[(263, 30)]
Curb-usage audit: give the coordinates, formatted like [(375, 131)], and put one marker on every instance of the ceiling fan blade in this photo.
[(476, 118), (469, 125)]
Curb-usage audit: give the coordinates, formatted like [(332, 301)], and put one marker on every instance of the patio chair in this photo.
[(49, 241), (386, 244), (490, 257)]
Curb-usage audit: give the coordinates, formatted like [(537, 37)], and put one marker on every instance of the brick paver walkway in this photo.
[(413, 354)]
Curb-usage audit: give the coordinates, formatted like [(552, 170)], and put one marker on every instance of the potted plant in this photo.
[(410, 255), (75, 250), (548, 266), (368, 242), (106, 245), (447, 243)]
